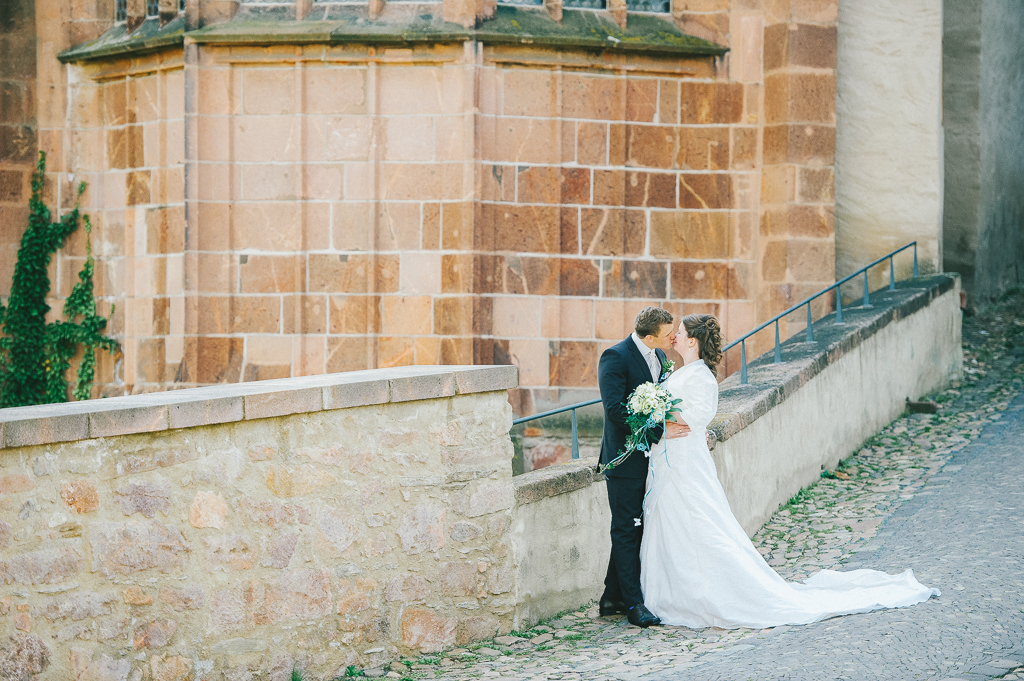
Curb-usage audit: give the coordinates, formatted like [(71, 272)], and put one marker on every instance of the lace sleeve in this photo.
[(700, 403)]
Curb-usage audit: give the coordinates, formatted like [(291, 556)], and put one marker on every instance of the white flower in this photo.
[(636, 522)]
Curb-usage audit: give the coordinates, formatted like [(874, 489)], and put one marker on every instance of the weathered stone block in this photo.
[(422, 529), (407, 589), (127, 420), (458, 579), (705, 191), (155, 634), (145, 497), (186, 598), (491, 497), (132, 546), (274, 514), (486, 379), (133, 595), (170, 668), (355, 595), (22, 656), (45, 429), (235, 551), (500, 579), (42, 567), (477, 628), (297, 481), (205, 412), (283, 403), (338, 531), (280, 551), (208, 509), (80, 495), (572, 363), (342, 395), (19, 482), (463, 531), (301, 594), (78, 606), (428, 632)]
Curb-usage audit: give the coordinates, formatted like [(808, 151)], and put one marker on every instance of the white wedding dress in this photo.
[(699, 569)]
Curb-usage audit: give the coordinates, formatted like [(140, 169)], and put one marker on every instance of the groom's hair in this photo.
[(650, 320)]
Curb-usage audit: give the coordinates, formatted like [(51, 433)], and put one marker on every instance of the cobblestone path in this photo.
[(941, 494)]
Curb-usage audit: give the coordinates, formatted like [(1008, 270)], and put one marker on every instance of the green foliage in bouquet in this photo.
[(35, 355), (646, 408)]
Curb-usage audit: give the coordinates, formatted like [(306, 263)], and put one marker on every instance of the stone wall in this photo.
[(271, 200), (321, 522), (770, 439), (889, 156), (18, 130), (983, 89)]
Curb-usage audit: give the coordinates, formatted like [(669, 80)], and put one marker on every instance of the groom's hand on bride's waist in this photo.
[(674, 430)]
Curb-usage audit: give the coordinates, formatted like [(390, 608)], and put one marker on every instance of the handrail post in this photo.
[(743, 362), (575, 438), (892, 275), (839, 305), (810, 324), (867, 293), (916, 272), (778, 345)]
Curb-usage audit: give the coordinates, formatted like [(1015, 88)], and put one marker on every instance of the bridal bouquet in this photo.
[(646, 408)]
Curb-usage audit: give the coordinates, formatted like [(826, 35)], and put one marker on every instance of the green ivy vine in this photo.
[(35, 355)]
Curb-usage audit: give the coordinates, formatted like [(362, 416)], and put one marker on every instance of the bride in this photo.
[(697, 566)]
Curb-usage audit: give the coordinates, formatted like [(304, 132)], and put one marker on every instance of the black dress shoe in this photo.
[(607, 608), (640, 616)]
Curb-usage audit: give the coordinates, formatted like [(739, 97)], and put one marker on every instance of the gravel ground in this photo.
[(935, 492)]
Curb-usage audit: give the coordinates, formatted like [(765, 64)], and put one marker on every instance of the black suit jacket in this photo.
[(621, 369)]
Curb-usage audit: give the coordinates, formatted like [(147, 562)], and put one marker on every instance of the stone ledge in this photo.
[(152, 412), (410, 24), (769, 384), (554, 480)]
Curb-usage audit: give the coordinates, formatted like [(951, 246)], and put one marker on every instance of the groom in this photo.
[(635, 360)]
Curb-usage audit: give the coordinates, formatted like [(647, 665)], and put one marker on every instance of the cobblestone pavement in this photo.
[(939, 493)]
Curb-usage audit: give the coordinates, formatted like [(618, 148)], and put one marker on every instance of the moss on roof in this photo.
[(414, 23)]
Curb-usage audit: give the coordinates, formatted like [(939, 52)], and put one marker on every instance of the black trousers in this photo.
[(626, 501)]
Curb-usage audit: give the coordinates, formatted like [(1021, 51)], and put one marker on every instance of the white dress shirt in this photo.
[(650, 355)]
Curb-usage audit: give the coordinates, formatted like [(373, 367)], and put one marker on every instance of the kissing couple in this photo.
[(678, 555)]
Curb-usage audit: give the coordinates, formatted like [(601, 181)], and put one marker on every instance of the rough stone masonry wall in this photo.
[(314, 522), (352, 206)]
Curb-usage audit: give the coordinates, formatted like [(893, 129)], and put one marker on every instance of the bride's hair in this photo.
[(708, 332)]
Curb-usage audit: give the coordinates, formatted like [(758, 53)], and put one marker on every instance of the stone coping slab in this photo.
[(191, 407), (117, 42), (410, 24), (769, 384)]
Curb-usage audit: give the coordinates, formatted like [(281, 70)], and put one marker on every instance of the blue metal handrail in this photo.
[(560, 410), (741, 341)]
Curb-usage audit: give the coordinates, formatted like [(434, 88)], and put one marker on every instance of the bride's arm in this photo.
[(701, 403)]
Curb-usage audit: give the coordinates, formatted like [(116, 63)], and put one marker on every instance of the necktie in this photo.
[(652, 363)]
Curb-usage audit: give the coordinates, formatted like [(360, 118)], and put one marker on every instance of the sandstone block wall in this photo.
[(889, 145), (339, 521), (288, 207), (983, 92)]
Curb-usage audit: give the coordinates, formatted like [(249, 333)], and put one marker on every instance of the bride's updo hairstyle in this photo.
[(708, 332)]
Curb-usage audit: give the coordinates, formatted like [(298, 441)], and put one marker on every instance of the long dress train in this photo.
[(699, 569)]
